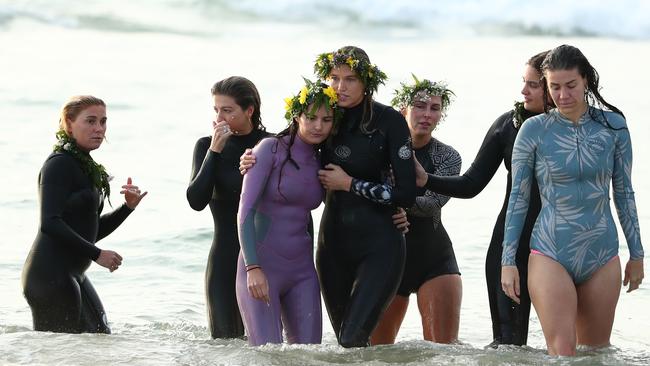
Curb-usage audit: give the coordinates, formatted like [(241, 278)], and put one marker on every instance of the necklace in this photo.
[(96, 172)]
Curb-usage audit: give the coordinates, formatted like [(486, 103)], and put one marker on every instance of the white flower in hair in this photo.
[(67, 146)]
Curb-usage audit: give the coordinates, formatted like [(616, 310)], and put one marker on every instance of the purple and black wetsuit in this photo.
[(278, 195)]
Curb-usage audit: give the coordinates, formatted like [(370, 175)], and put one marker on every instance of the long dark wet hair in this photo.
[(245, 94), (567, 57)]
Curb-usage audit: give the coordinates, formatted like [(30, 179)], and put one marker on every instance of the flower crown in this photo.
[(369, 73), (312, 93), (422, 90)]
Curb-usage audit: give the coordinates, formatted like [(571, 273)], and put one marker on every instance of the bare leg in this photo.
[(597, 298), (439, 302), (390, 322), (555, 299)]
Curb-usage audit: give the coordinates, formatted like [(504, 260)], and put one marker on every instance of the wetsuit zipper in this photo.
[(579, 186)]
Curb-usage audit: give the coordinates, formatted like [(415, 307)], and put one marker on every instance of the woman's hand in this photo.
[(257, 284), (510, 282), (334, 178), (132, 195), (633, 274), (220, 133), (246, 161), (109, 259), (421, 176), (401, 221)]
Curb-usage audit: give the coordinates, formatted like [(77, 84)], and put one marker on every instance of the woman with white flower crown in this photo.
[(72, 190), (431, 269), (277, 286)]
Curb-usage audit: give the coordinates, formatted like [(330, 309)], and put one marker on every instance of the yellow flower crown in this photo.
[(312, 93)]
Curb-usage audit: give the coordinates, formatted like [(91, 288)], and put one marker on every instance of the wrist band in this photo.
[(254, 266)]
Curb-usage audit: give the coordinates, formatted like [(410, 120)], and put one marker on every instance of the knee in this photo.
[(562, 346)]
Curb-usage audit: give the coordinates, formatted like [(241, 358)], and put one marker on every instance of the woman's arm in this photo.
[(55, 188), (626, 207), (253, 186), (427, 204), (205, 165), (479, 174)]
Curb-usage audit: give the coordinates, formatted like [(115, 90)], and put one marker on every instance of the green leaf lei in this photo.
[(369, 73), (315, 94), (410, 93), (96, 172), (518, 116)]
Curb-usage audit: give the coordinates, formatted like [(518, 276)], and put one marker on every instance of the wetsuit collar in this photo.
[(352, 116), (584, 118)]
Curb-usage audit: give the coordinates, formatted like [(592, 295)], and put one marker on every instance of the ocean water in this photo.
[(154, 62)]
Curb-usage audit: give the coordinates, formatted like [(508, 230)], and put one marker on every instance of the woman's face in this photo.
[(533, 91), (423, 116), (349, 88), (314, 130), (567, 89), (89, 127), (238, 119)]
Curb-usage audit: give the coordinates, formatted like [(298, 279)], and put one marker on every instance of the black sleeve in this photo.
[(110, 221), (56, 185), (401, 159), (479, 174), (204, 167)]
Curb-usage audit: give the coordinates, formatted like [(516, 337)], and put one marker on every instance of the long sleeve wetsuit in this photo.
[(274, 230), (360, 257), (61, 297), (574, 165), (509, 319), (215, 180)]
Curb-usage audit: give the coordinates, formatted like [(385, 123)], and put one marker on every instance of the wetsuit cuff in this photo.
[(96, 254)]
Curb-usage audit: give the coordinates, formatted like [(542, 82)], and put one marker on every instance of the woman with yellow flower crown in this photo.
[(360, 256), (277, 286)]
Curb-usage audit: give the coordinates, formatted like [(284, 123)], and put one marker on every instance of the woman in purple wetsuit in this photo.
[(277, 286)]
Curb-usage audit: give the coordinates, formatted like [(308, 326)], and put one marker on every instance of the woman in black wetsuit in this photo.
[(360, 256), (431, 270), (72, 189), (509, 319), (216, 181)]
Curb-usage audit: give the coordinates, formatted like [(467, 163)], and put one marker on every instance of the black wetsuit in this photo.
[(509, 319), (429, 252), (61, 297), (216, 181), (360, 255)]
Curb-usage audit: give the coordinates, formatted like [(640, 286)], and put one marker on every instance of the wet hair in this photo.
[(245, 94), (366, 116), (76, 105), (567, 57), (536, 61)]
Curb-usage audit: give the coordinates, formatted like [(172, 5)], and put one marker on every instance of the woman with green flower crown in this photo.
[(361, 254), (72, 189), (277, 286), (431, 270)]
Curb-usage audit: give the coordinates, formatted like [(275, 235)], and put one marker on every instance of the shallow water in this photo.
[(156, 76)]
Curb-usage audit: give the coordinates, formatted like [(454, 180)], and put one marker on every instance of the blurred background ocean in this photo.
[(154, 62)]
